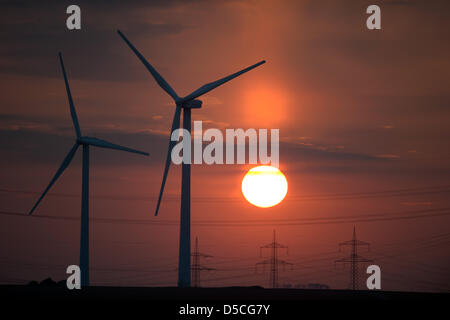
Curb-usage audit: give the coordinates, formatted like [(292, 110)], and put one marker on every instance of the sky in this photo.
[(364, 133)]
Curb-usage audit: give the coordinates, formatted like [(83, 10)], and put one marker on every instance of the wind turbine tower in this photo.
[(186, 104)]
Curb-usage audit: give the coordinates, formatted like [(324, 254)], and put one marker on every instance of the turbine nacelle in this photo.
[(83, 140), (188, 102), (192, 104)]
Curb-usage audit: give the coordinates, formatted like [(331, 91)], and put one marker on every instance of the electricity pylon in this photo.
[(196, 267), (354, 259), (274, 261)]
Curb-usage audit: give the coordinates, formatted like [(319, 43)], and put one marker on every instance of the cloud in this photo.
[(32, 148), (417, 203), (388, 156), (215, 124), (397, 3), (26, 144), (33, 33), (310, 143), (211, 101)]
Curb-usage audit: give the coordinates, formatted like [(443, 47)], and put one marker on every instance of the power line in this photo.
[(405, 215), (160, 273), (307, 197), (403, 278)]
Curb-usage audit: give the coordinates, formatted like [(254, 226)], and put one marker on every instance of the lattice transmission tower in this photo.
[(196, 267), (354, 259), (273, 261)]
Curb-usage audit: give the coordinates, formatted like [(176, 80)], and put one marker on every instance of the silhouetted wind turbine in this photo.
[(186, 103), (85, 142)]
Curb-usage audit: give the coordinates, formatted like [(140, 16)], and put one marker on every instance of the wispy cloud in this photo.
[(417, 203), (388, 156)]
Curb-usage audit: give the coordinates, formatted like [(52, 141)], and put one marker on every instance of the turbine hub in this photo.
[(84, 140), (192, 104)]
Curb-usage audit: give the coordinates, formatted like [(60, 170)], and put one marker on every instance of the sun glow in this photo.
[(259, 103), (264, 186)]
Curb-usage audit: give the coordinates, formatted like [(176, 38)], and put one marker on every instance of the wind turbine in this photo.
[(186, 103), (85, 142)]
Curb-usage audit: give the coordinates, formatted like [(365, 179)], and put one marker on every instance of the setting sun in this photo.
[(264, 186)]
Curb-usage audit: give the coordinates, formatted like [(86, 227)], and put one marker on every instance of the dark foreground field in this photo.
[(172, 303), (207, 294)]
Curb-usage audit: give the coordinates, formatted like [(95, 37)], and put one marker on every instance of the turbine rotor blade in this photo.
[(73, 113), (108, 145), (175, 125), (212, 85), (61, 169), (158, 78)]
